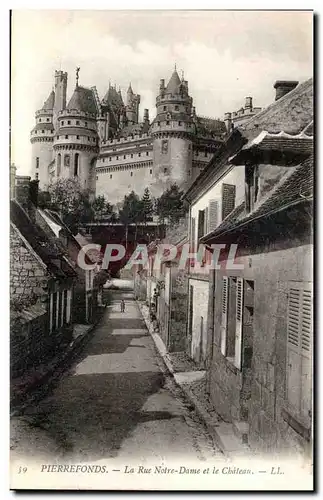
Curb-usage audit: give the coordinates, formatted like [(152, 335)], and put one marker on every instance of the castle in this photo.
[(103, 144)]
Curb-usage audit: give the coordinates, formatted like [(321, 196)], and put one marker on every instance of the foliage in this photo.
[(131, 211), (170, 206), (147, 207)]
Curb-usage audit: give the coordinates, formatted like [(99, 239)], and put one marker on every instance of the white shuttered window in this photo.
[(239, 318), (299, 350), (224, 323)]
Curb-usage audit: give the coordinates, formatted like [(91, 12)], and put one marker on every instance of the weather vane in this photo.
[(77, 76)]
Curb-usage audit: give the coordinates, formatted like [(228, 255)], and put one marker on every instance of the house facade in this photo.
[(260, 334)]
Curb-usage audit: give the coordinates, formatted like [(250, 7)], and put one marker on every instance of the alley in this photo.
[(115, 402)]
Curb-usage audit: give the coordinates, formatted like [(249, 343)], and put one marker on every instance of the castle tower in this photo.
[(76, 138), (60, 94), (172, 131), (41, 138), (132, 107)]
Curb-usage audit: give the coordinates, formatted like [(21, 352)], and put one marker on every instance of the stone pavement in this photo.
[(117, 401)]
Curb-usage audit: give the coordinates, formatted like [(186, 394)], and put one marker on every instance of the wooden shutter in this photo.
[(299, 349), (239, 320), (224, 322), (228, 199), (193, 239), (201, 221), (213, 214), (206, 220)]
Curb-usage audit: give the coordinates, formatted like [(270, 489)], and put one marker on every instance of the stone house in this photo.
[(41, 289), (213, 195), (85, 292), (260, 315)]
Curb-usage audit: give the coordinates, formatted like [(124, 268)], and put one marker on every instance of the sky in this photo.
[(225, 56)]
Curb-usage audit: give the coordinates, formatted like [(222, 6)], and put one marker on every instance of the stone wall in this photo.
[(271, 271), (27, 275)]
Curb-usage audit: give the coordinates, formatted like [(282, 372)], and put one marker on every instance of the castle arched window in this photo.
[(77, 122), (110, 158), (165, 108), (85, 124), (68, 122), (59, 162), (63, 122), (37, 162), (124, 157), (76, 164), (139, 154), (66, 137), (147, 153), (66, 161)]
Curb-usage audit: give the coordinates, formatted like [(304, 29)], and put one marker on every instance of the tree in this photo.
[(102, 208), (131, 211), (170, 206), (71, 201), (147, 206)]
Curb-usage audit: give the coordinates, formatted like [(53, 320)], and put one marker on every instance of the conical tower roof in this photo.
[(83, 100), (49, 103), (173, 84)]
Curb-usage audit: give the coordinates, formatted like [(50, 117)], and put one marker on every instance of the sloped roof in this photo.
[(173, 84), (291, 113), (134, 129), (113, 98), (210, 126), (40, 243), (49, 103), (83, 99), (296, 188)]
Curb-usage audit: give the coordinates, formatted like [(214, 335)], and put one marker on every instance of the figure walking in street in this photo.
[(122, 306)]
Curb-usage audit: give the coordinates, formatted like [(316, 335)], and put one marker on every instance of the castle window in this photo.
[(88, 139), (205, 154), (147, 153), (124, 157), (117, 158), (47, 119), (37, 176), (63, 122), (139, 154), (39, 120), (76, 164), (176, 107), (57, 137), (131, 174), (77, 122), (179, 123), (77, 137), (164, 146), (68, 122), (158, 123), (66, 137), (43, 131), (131, 155), (97, 178), (165, 108), (110, 158), (167, 123), (110, 176), (150, 171), (66, 161), (85, 124), (35, 131), (37, 162), (59, 161), (165, 170), (103, 160)]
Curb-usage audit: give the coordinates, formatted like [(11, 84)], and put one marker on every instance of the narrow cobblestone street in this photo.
[(116, 401)]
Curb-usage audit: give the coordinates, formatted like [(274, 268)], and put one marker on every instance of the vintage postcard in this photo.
[(161, 244)]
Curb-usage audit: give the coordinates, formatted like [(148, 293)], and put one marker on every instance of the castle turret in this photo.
[(41, 138), (172, 131), (60, 94), (76, 138), (132, 107)]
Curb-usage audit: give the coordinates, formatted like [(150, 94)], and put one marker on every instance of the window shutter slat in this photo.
[(193, 246), (224, 306), (228, 199), (213, 214), (239, 318)]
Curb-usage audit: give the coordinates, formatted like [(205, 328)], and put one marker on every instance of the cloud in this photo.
[(225, 56)]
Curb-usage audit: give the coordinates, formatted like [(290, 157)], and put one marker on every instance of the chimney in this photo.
[(146, 116), (162, 84), (248, 103), (228, 122), (13, 170), (283, 87), (27, 194)]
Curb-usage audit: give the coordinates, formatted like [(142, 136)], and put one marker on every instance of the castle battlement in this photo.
[(76, 112), (129, 138), (44, 112)]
